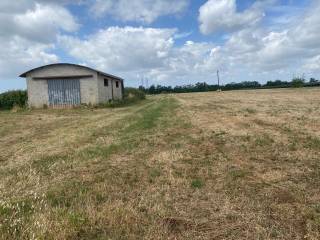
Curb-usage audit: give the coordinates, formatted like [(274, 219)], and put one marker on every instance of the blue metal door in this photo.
[(64, 92)]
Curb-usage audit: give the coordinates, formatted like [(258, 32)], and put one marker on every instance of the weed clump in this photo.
[(131, 96), (197, 183)]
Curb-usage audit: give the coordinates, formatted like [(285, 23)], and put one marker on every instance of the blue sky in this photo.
[(167, 42)]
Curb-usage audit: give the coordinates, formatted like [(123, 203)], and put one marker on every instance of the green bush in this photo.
[(298, 82), (131, 95), (10, 99)]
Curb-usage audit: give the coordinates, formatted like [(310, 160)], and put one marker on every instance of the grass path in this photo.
[(97, 167)]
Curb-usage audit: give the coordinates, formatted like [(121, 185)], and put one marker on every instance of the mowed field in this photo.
[(228, 165)]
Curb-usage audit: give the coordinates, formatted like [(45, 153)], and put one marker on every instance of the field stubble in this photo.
[(229, 165)]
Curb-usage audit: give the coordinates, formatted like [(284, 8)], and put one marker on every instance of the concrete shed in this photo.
[(64, 84)]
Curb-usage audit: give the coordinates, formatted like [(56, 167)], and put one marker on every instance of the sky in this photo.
[(167, 42)]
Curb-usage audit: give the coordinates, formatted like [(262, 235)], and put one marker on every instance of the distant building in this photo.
[(64, 84)]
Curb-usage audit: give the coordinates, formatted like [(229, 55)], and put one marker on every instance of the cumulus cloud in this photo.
[(18, 54), (28, 32), (33, 33), (12, 7), (248, 52), (43, 22), (143, 51), (193, 61), (40, 23), (122, 49), (144, 11), (274, 50), (222, 15)]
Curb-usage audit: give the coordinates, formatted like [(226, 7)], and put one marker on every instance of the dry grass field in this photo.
[(229, 165)]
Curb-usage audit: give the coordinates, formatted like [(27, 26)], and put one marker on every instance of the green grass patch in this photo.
[(235, 174), (197, 183), (264, 140), (15, 215), (77, 219), (44, 164), (154, 174), (67, 193), (148, 118), (101, 151), (312, 143), (250, 110)]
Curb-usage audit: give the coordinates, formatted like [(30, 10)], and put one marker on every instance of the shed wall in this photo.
[(105, 93), (89, 90), (37, 93), (117, 91)]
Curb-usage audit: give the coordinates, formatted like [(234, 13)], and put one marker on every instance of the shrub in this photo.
[(131, 95), (298, 82), (10, 99)]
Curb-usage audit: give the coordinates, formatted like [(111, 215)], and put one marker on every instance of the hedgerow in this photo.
[(10, 99)]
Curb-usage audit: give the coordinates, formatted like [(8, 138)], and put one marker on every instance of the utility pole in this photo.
[(218, 76)]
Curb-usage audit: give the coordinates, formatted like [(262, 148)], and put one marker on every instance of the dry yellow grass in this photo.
[(228, 165)]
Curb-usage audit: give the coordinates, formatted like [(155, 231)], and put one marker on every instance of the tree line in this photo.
[(204, 87)]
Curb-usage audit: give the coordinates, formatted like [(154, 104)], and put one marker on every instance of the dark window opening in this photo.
[(106, 82), (117, 84)]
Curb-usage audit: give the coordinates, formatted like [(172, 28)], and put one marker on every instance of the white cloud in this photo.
[(43, 22), (250, 53), (182, 35), (28, 33), (13, 7), (312, 64), (18, 54), (222, 15), (290, 47), (144, 11), (122, 49), (150, 52)]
